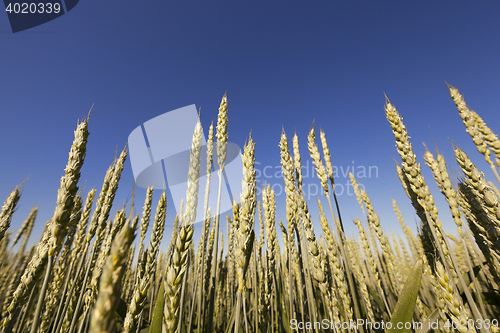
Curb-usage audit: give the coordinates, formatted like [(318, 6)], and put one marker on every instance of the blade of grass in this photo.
[(157, 320), (405, 307)]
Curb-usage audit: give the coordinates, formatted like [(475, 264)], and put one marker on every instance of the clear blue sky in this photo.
[(282, 63)]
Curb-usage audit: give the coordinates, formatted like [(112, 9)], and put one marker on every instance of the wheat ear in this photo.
[(57, 227), (102, 319), (136, 306), (146, 216), (61, 266), (222, 139), (8, 210), (29, 224), (244, 224), (179, 263), (337, 268), (481, 135), (417, 189)]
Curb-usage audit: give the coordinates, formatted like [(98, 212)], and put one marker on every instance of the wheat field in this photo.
[(83, 275)]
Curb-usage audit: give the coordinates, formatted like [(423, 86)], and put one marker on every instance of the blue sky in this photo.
[(282, 63)]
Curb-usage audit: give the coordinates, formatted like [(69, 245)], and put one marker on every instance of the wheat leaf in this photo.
[(407, 300), (157, 320)]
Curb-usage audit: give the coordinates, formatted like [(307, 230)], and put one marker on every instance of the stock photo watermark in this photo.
[(159, 155), (455, 324), (25, 15), (273, 175)]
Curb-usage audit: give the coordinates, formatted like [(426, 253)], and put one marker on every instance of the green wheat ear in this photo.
[(407, 300)]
